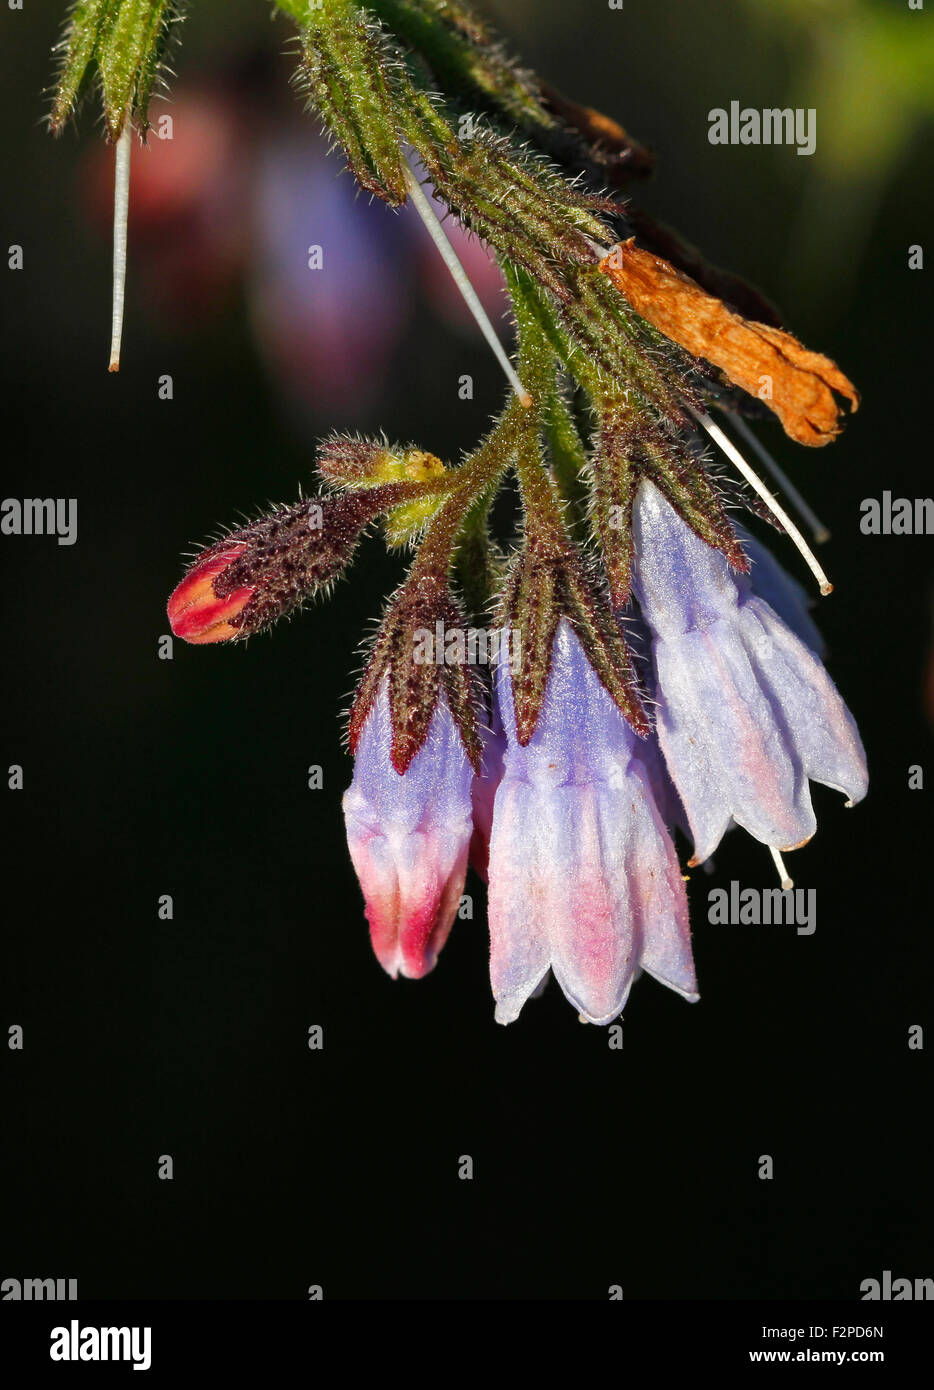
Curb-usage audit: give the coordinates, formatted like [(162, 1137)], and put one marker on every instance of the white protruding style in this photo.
[(733, 454), (779, 863), (461, 280), (818, 529), (121, 212)]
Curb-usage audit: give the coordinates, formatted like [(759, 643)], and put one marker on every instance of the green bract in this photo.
[(126, 40)]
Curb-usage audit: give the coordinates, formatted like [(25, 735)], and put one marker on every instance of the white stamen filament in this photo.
[(732, 453), (461, 280), (121, 212), (779, 863), (819, 530)]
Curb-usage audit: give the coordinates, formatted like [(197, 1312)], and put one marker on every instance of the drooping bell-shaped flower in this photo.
[(583, 877), (746, 713), (409, 836)]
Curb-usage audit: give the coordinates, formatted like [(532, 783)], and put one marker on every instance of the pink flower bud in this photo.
[(195, 611), (408, 836)]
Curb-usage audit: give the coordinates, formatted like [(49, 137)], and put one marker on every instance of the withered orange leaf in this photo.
[(769, 363)]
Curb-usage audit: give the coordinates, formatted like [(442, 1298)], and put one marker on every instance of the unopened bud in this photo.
[(195, 611), (352, 462), (265, 570), (358, 463)]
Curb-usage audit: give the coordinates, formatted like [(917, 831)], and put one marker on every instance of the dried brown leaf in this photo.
[(769, 363)]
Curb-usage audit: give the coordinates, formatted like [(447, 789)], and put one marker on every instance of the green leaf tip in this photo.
[(125, 40)]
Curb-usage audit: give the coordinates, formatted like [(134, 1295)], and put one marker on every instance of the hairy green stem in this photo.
[(480, 472)]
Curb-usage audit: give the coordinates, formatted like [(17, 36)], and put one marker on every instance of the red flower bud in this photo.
[(195, 611), (265, 570)]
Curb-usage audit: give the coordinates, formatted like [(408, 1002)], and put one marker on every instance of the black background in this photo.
[(188, 777)]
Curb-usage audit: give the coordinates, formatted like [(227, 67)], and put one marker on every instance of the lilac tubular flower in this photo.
[(746, 712), (408, 837), (584, 879), (782, 593)]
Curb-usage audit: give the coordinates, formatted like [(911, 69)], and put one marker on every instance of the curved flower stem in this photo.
[(516, 438), (476, 475), (567, 453), (538, 366)]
